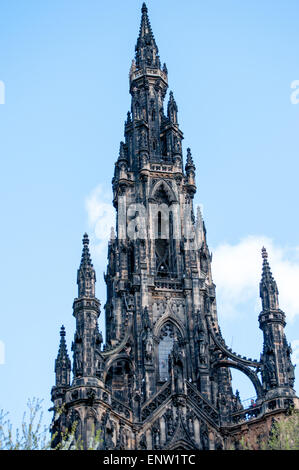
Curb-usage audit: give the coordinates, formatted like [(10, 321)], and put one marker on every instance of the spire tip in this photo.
[(85, 239), (264, 253)]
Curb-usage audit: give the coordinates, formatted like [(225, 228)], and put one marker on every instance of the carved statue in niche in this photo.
[(268, 370), (109, 444), (156, 436), (177, 145), (201, 340), (78, 363), (91, 396), (178, 378), (145, 319), (204, 436), (203, 262), (149, 345), (170, 423), (190, 417), (176, 364), (121, 440), (176, 352), (289, 366)]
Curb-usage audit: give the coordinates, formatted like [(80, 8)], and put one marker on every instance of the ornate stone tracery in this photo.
[(162, 380)]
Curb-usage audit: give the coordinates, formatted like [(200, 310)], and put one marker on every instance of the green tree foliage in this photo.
[(284, 434), (35, 436)]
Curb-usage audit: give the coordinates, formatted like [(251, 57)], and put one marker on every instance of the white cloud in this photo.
[(237, 273), (101, 217)]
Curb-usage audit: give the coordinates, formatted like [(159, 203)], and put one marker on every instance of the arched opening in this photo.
[(168, 334), (247, 371), (165, 347), (243, 387), (119, 380)]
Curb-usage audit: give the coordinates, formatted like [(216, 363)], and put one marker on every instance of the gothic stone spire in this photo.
[(277, 368), (268, 286), (86, 277), (62, 363), (146, 47)]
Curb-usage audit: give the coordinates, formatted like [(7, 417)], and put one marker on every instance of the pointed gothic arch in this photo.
[(246, 370), (119, 377), (162, 192), (166, 333)]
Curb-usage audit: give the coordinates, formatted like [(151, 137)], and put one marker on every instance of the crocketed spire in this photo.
[(62, 363), (189, 164), (146, 48), (268, 286), (86, 277)]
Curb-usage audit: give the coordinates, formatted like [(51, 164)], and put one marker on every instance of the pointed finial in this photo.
[(189, 164), (85, 239), (264, 253), (268, 286), (85, 259), (144, 8), (62, 362), (62, 352), (266, 273), (86, 274)]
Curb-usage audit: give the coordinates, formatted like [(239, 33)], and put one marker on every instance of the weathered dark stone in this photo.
[(162, 380)]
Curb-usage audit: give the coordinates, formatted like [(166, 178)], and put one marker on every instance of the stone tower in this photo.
[(162, 380)]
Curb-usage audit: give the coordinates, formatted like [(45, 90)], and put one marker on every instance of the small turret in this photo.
[(190, 173), (62, 363), (277, 368), (190, 167)]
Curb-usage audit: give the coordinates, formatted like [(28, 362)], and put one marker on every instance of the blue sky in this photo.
[(65, 68)]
